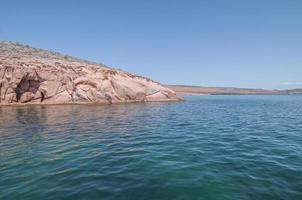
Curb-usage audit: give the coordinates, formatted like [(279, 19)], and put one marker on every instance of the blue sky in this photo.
[(243, 43)]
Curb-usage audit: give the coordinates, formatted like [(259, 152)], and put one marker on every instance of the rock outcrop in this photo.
[(35, 76)]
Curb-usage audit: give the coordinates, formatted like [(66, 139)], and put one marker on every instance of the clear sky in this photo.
[(243, 43)]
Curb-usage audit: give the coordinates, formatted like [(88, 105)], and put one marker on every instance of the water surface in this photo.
[(208, 147)]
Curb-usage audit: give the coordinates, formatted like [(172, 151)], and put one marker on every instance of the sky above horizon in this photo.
[(231, 43)]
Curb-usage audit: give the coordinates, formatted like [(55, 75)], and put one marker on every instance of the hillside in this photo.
[(36, 76)]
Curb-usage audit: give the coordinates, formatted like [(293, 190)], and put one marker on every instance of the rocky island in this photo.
[(34, 76)]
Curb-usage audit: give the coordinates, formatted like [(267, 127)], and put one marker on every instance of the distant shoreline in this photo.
[(200, 90)]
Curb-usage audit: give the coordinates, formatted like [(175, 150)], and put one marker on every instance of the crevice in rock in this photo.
[(42, 96), (0, 90), (152, 93), (108, 98), (27, 85), (1, 83)]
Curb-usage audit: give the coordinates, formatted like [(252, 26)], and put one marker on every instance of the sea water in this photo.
[(206, 147)]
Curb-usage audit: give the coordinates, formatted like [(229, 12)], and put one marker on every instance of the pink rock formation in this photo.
[(35, 76)]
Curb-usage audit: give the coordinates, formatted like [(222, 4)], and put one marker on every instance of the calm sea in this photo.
[(207, 147)]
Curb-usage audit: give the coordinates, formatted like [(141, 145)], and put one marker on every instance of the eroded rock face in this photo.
[(29, 75)]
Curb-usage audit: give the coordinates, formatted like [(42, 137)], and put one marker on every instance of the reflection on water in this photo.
[(52, 117), (208, 147)]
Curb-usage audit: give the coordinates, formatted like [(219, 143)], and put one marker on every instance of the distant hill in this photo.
[(185, 89)]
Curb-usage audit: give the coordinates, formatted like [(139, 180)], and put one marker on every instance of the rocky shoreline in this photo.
[(34, 76)]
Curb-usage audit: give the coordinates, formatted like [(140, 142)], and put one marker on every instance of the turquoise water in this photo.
[(208, 147)]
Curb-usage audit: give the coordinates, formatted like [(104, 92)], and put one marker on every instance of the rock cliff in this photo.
[(35, 76)]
